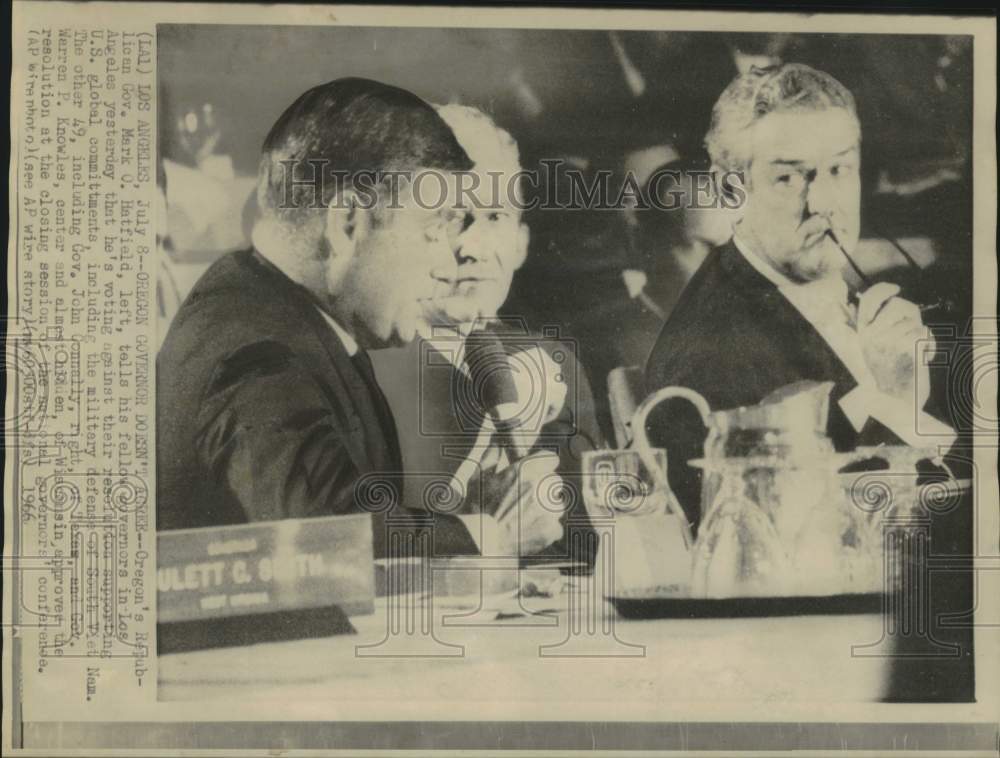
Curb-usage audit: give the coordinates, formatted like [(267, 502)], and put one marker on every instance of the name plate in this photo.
[(265, 567)]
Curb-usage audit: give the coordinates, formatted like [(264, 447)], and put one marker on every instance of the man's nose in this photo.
[(467, 247), (443, 260), (821, 198)]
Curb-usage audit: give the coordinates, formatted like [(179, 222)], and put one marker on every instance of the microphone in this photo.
[(493, 385)]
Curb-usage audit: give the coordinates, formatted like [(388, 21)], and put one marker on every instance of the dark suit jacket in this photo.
[(734, 338), (262, 414)]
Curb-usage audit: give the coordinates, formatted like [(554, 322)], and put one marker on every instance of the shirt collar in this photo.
[(350, 344), (828, 288)]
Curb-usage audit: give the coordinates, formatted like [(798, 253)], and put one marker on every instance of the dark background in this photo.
[(564, 94)]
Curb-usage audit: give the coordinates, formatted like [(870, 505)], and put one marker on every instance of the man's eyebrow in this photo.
[(796, 163), (845, 151)]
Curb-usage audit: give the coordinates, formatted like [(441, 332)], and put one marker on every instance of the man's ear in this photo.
[(730, 186), (346, 222), (523, 239)]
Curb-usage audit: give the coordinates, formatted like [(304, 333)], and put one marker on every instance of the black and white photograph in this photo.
[(725, 247), (572, 384)]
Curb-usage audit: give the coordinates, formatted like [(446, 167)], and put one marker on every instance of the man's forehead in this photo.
[(489, 188), (792, 137)]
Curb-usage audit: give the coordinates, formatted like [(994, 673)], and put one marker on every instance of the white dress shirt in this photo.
[(349, 343), (824, 304)]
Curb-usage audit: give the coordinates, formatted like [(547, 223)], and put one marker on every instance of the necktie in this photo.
[(363, 363)]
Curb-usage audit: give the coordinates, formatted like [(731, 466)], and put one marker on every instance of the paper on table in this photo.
[(540, 591)]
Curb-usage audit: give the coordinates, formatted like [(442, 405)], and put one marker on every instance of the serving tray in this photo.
[(747, 607)]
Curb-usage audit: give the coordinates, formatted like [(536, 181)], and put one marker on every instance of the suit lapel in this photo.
[(354, 401), (812, 355)]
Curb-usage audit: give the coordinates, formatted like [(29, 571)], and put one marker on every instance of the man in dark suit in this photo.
[(772, 306), (267, 404)]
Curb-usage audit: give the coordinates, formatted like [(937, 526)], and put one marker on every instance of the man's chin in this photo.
[(403, 334), (818, 262)]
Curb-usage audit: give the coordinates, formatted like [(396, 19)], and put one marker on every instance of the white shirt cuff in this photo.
[(485, 532), (915, 428)]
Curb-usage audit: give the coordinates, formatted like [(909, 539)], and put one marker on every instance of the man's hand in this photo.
[(523, 499), (890, 328)]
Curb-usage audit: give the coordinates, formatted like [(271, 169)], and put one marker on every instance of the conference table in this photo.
[(520, 653)]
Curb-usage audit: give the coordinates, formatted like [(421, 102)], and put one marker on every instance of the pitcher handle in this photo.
[(638, 422), (640, 442)]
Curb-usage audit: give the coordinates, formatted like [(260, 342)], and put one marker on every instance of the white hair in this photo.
[(751, 96), (483, 141), (491, 148)]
